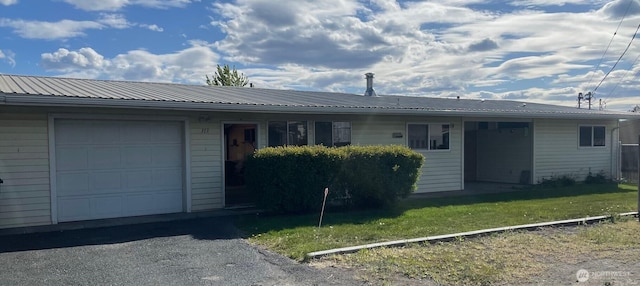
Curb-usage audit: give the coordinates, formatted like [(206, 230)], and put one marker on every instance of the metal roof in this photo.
[(53, 91)]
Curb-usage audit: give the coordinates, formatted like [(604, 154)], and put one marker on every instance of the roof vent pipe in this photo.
[(369, 91)]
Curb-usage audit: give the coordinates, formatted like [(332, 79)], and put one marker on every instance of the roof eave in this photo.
[(30, 100)]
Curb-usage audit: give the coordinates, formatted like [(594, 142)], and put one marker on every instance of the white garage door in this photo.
[(107, 169)]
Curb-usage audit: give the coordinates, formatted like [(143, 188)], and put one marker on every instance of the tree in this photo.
[(226, 76)]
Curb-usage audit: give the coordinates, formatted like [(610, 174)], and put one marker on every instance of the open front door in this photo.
[(239, 142)]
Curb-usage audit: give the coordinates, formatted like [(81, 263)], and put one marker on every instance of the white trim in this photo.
[(187, 165), (534, 145), (117, 117), (52, 169), (592, 137), (428, 150), (462, 153)]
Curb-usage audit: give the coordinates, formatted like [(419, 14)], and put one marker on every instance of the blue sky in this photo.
[(530, 50)]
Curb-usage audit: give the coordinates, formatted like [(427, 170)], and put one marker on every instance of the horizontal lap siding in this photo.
[(206, 168), (557, 152), (442, 170), (25, 199)]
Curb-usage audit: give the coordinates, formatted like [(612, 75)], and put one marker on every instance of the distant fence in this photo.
[(629, 162)]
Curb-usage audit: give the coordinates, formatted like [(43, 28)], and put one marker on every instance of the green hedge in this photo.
[(292, 179)]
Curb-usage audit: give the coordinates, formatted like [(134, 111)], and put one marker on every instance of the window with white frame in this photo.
[(592, 136), (283, 133), (332, 134), (428, 136)]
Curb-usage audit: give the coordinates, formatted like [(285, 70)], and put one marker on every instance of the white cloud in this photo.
[(8, 2), (63, 59), (423, 47), (188, 65), (8, 56), (116, 21), (152, 27), (66, 29), (114, 5), (529, 3), (49, 30)]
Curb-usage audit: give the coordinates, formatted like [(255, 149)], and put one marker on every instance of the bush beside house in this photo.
[(292, 179)]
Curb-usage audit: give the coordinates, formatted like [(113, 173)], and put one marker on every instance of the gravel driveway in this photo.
[(193, 252)]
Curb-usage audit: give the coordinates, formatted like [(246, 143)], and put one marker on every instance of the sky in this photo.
[(544, 51)]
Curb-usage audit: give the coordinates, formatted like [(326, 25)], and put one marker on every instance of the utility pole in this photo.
[(587, 96)]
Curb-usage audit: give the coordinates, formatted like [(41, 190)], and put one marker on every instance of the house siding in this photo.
[(25, 198), (206, 164), (556, 150), (442, 170)]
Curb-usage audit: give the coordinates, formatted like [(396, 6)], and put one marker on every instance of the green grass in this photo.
[(294, 236), (508, 258)]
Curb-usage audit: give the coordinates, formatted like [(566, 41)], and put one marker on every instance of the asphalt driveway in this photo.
[(192, 252)]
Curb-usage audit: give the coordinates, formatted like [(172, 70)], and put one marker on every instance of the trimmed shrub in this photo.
[(377, 176), (292, 179)]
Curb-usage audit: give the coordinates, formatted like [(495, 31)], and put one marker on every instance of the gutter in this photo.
[(617, 161), (56, 101)]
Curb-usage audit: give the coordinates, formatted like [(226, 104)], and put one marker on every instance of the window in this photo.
[(333, 134), (428, 136), (592, 136), (283, 133)]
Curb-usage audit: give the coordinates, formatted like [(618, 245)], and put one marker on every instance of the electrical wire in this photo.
[(610, 41), (619, 59), (624, 76)]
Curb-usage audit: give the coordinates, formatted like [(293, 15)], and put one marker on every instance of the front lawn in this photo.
[(294, 236)]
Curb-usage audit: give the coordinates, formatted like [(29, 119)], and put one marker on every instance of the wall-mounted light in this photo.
[(204, 118)]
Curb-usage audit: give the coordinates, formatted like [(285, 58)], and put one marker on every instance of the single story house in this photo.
[(80, 149)]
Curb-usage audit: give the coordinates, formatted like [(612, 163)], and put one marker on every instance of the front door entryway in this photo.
[(239, 142)]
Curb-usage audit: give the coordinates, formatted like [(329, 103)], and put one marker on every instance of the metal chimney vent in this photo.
[(369, 91)]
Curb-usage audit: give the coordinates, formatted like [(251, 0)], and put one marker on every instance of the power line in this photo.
[(610, 41), (619, 59), (623, 76)]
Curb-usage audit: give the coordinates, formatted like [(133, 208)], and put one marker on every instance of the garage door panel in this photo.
[(138, 156), (138, 133), (139, 179), (71, 158), (167, 179), (73, 208), (167, 156), (72, 132), (122, 168), (105, 133), (106, 206), (167, 135), (71, 184), (106, 182), (104, 158)]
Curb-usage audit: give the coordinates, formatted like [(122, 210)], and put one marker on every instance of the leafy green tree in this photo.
[(226, 76)]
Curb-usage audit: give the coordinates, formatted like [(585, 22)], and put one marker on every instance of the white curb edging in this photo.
[(449, 237)]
